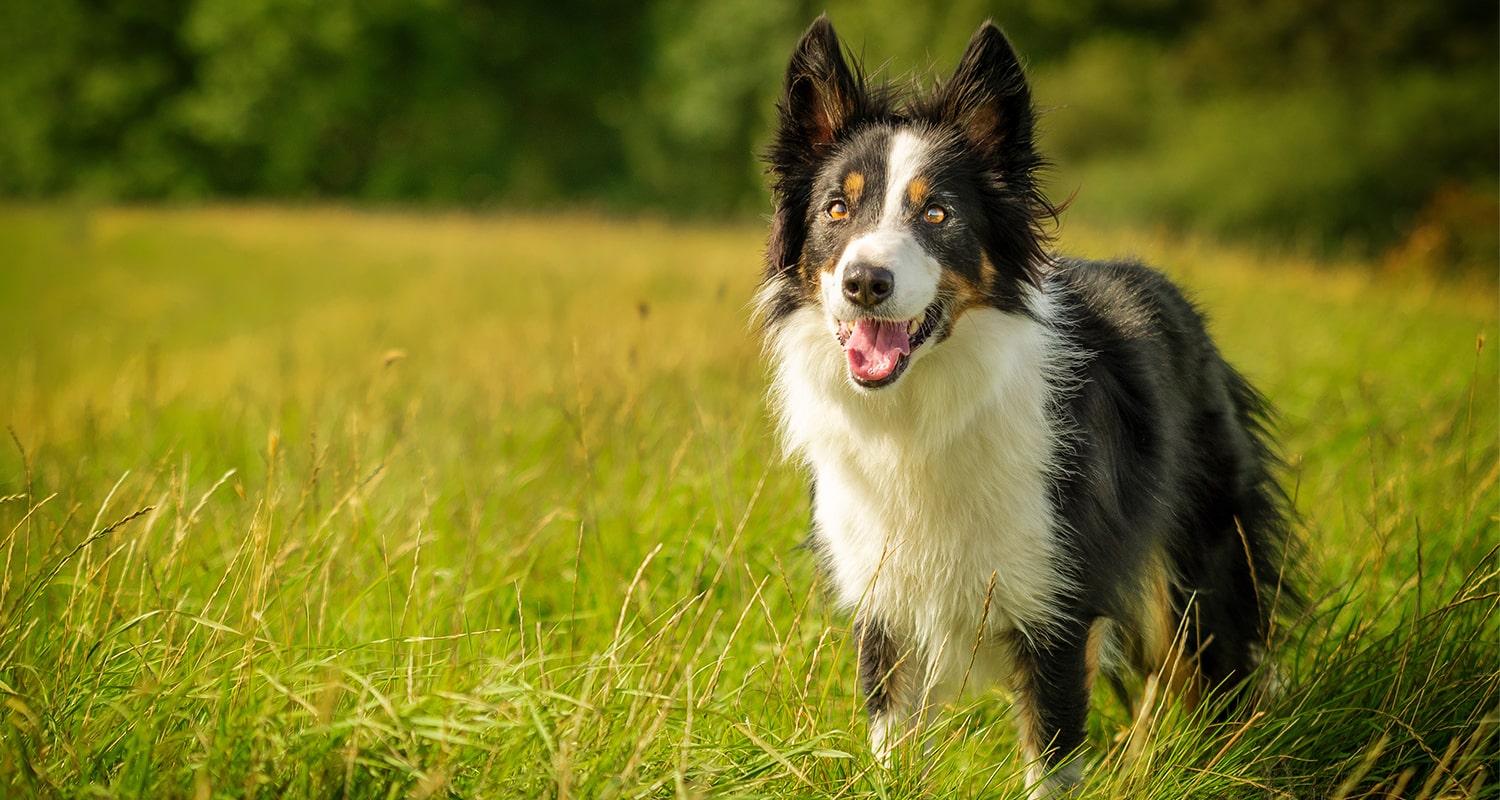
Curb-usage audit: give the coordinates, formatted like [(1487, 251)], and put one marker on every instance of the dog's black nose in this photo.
[(868, 285)]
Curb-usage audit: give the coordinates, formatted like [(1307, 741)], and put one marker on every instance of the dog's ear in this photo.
[(987, 97), (988, 100), (820, 98), (821, 93)]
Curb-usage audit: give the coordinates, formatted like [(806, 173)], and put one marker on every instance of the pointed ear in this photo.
[(987, 97), (820, 93), (821, 97)]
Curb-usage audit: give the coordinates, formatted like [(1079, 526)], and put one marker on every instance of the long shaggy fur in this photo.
[(1026, 468)]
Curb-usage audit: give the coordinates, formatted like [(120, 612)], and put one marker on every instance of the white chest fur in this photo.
[(928, 488)]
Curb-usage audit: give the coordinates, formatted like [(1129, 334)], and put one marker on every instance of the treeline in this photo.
[(1370, 123)]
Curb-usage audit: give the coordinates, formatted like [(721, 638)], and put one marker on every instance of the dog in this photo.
[(1025, 468)]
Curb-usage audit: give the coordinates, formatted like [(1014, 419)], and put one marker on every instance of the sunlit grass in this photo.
[(312, 502)]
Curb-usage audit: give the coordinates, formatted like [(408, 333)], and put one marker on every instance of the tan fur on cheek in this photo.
[(964, 293), (810, 276)]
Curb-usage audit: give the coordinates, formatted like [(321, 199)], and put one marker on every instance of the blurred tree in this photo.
[(708, 100), (1319, 119), (86, 88), (395, 100), (1277, 43), (1332, 122)]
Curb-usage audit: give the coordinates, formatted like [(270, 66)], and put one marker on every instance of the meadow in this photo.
[(312, 502)]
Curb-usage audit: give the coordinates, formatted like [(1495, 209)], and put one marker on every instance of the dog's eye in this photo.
[(838, 210), (934, 214)]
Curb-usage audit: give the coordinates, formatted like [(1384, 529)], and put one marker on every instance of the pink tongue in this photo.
[(874, 348)]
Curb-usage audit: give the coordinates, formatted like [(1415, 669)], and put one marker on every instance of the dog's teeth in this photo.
[(911, 327)]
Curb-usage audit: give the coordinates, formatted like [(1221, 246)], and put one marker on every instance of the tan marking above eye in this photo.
[(838, 210), (934, 214), (916, 191), (854, 184)]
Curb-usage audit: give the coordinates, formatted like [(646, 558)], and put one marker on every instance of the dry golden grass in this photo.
[(321, 502)]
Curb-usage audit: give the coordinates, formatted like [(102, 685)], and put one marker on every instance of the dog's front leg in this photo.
[(886, 675), (1052, 681)]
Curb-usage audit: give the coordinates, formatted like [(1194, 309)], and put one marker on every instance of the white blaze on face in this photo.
[(891, 245), (907, 157)]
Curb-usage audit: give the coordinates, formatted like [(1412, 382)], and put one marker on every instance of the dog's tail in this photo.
[(1266, 518), (1239, 581)]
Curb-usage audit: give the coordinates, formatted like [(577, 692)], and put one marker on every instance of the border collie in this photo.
[(1026, 468)]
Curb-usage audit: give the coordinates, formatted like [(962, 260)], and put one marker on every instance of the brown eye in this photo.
[(934, 214), (838, 210)]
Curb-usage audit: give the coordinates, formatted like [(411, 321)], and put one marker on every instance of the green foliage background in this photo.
[(1370, 123)]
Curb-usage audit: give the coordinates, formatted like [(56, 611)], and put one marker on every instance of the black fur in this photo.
[(878, 658), (1052, 687), (1167, 441), (1165, 467)]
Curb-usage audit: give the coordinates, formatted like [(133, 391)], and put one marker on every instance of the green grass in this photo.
[(316, 503)]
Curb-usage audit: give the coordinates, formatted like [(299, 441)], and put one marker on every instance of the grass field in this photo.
[(317, 503)]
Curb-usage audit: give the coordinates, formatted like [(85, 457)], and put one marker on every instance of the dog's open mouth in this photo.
[(879, 349)]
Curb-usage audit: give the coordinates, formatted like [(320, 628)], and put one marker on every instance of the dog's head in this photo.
[(895, 216)]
